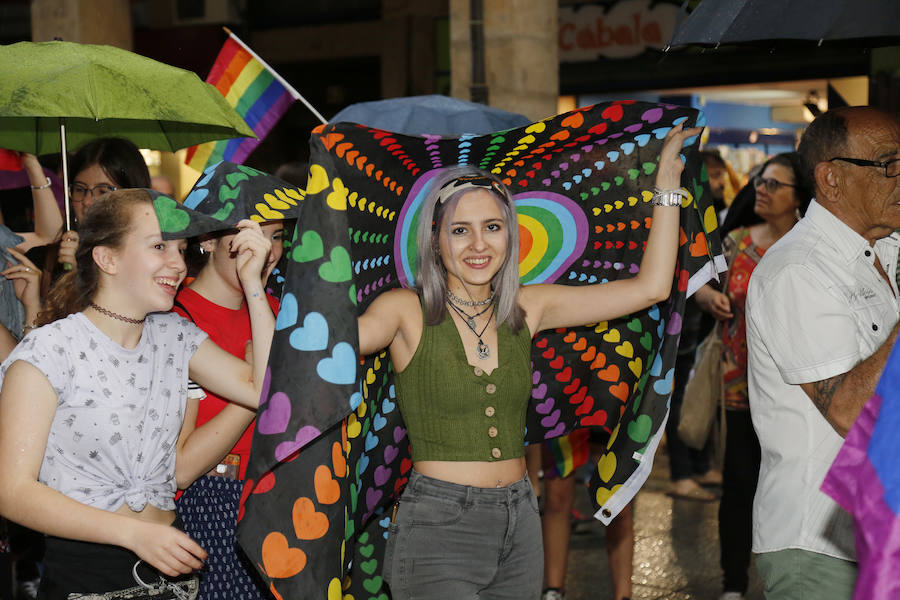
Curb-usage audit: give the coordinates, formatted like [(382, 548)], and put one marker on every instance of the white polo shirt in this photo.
[(816, 307)]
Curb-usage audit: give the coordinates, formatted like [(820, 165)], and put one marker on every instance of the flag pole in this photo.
[(297, 95)]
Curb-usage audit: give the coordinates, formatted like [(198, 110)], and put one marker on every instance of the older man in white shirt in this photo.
[(822, 312)]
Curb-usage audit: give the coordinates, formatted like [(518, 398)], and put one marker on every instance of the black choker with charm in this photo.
[(482, 350)]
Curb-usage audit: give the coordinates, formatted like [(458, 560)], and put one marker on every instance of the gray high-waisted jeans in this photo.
[(458, 542)]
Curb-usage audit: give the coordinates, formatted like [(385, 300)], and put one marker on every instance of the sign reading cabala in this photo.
[(621, 30)]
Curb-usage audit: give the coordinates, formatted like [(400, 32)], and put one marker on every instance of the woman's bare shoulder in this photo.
[(400, 297), (397, 305)]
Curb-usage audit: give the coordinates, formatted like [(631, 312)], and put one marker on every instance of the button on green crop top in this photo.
[(454, 411)]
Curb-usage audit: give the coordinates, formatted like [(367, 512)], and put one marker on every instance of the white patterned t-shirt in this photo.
[(119, 411)]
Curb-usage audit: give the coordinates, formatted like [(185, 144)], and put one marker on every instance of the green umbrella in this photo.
[(105, 91), (59, 94)]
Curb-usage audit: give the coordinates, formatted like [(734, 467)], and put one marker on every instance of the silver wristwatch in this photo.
[(668, 197)]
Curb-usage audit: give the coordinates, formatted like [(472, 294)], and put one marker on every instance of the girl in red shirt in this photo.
[(214, 300)]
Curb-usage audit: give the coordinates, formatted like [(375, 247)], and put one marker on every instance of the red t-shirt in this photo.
[(230, 330)]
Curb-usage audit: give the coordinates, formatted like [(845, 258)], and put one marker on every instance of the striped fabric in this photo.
[(865, 480), (256, 93), (565, 454)]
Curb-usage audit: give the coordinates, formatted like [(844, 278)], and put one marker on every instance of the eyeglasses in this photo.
[(891, 167), (79, 191), (771, 185)]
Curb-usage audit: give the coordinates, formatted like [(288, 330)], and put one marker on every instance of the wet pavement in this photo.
[(676, 548)]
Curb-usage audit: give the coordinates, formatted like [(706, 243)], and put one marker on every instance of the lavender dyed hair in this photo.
[(431, 276)]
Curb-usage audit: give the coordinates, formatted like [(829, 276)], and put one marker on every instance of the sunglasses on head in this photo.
[(469, 182)]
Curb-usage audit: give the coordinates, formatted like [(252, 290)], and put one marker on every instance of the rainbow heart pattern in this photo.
[(331, 452)]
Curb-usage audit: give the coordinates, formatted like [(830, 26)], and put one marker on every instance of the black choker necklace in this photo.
[(462, 302), (116, 316), (482, 350)]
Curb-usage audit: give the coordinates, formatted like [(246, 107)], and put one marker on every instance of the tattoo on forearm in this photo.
[(824, 392)]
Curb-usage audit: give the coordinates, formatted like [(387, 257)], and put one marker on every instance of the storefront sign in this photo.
[(621, 30)]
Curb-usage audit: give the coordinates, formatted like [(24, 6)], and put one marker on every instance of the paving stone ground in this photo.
[(676, 548)]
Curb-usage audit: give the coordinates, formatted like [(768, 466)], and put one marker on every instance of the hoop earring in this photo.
[(202, 250)]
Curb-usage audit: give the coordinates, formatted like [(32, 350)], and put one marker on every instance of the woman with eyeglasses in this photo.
[(781, 198), (102, 165)]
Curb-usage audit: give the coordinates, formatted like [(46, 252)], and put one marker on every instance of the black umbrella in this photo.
[(716, 22)]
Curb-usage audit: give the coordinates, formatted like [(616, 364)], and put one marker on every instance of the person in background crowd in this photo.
[(557, 519), (689, 468), (718, 177), (216, 302), (163, 185), (27, 545), (294, 172), (100, 166), (781, 200), (822, 311), (26, 278), (48, 221)]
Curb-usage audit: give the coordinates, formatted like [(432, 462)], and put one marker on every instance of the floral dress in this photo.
[(743, 256)]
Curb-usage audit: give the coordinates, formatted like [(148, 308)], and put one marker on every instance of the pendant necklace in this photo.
[(462, 302), (482, 350)]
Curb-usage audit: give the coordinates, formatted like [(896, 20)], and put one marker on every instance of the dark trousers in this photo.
[(88, 568), (684, 462), (739, 476)]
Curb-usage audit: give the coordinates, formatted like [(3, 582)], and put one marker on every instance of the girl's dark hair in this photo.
[(119, 158), (794, 161), (194, 259), (106, 223), (741, 213)]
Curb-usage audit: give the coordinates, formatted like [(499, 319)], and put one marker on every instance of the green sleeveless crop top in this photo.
[(454, 411)]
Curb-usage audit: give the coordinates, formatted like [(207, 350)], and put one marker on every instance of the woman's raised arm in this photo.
[(219, 371), (551, 306), (48, 220)]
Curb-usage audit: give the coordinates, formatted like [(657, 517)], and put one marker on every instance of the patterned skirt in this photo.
[(209, 509)]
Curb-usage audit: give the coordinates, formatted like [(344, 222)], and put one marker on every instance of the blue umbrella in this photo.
[(439, 115)]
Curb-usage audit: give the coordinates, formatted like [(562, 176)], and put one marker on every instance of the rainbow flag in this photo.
[(865, 480), (567, 453), (256, 92)]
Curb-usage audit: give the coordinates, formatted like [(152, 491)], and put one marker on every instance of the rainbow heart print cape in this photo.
[(330, 451)]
